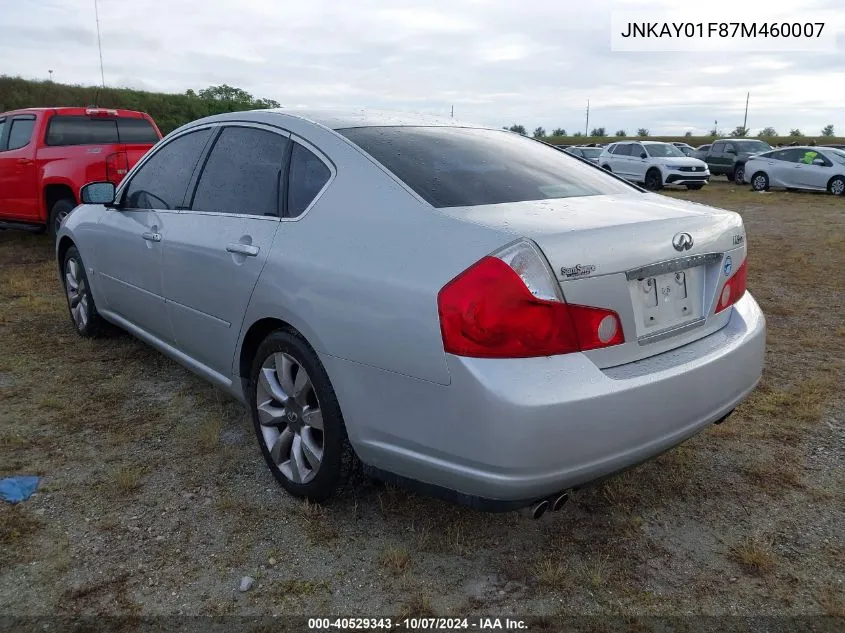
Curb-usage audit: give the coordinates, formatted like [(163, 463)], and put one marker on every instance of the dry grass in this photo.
[(395, 560), (319, 526), (16, 524), (553, 574), (417, 605), (754, 555), (208, 435), (128, 478)]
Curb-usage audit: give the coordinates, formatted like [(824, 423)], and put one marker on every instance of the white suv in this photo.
[(654, 164)]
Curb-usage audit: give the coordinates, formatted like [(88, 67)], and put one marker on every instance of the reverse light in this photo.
[(734, 288), (508, 305)]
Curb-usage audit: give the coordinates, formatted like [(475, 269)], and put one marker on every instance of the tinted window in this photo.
[(591, 152), (703, 148), (20, 132), (243, 173), (449, 166), (637, 151), (161, 181), (136, 131), (717, 149), (623, 149), (792, 155), (308, 175), (751, 146), (81, 130), (2, 129)]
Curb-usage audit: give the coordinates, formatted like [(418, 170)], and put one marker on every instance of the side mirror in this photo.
[(98, 193), (818, 161), (643, 155)]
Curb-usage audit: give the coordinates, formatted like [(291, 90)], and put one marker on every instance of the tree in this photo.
[(768, 131), (642, 131), (230, 94), (558, 131), (519, 129), (598, 131), (739, 131), (714, 131), (688, 133), (539, 132), (796, 132), (827, 130), (621, 133), (578, 134)]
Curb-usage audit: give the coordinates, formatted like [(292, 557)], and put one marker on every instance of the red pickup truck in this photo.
[(47, 154)]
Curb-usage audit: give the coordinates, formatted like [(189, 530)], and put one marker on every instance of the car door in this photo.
[(216, 248), (638, 165), (19, 197), (785, 168), (716, 158), (131, 236), (619, 160), (815, 175)]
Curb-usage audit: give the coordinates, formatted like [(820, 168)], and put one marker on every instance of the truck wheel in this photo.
[(739, 174), (57, 214)]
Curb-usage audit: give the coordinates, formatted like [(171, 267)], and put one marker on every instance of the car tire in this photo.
[(288, 409), (653, 179), (760, 181), (607, 167), (694, 187), (739, 175), (80, 301), (836, 186), (58, 213)]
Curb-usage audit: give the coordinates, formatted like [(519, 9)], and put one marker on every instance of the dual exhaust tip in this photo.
[(539, 508)]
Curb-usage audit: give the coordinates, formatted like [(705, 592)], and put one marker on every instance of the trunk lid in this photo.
[(617, 252)]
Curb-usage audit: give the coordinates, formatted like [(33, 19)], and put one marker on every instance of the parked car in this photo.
[(835, 146), (700, 152), (803, 167), (654, 164), (685, 148), (588, 153), (47, 154), (727, 157), (459, 309)]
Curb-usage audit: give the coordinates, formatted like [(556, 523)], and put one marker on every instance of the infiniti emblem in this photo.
[(291, 416), (682, 241)]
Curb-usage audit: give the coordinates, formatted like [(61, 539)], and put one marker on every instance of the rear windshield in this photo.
[(83, 130), (456, 167), (752, 146)]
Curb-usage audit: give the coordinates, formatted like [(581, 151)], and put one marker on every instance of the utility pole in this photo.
[(453, 112), (745, 120), (99, 44), (51, 74), (587, 124)]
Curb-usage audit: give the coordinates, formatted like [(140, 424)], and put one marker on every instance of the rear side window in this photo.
[(308, 175), (2, 129), (161, 182), (20, 132), (136, 131), (454, 167), (243, 173), (624, 149)]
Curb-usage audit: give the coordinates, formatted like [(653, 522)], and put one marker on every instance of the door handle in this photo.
[(151, 237), (243, 249)]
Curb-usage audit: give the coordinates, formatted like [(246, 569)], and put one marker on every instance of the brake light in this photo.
[(117, 165), (734, 288), (100, 112), (507, 305)]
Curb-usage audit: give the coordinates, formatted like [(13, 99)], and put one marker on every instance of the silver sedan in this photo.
[(803, 167), (450, 307)]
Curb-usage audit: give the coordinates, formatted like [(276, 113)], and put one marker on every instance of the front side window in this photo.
[(717, 149), (308, 176), (638, 150), (161, 182), (455, 167), (243, 173), (663, 150), (20, 132), (623, 149), (837, 155)]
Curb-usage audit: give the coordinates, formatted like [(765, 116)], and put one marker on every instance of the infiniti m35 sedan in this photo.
[(449, 307)]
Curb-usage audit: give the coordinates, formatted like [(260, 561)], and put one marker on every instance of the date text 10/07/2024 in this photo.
[(416, 624)]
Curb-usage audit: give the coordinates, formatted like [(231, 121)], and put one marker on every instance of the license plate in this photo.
[(663, 302)]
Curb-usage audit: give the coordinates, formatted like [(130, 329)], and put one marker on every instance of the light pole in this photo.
[(51, 74)]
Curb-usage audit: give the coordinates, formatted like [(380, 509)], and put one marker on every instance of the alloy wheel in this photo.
[(77, 293), (290, 417), (837, 187)]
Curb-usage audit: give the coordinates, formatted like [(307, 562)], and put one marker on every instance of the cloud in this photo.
[(496, 61)]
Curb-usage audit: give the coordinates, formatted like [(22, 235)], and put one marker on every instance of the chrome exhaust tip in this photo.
[(556, 503), (536, 509)]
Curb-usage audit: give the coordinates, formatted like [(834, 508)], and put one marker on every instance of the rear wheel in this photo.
[(607, 167), (58, 213), (739, 174), (836, 186), (80, 301), (760, 181), (297, 418), (653, 179)]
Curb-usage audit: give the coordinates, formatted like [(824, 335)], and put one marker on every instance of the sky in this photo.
[(497, 62)]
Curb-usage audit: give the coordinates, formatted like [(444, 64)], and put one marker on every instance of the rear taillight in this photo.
[(734, 288), (117, 165), (508, 305)]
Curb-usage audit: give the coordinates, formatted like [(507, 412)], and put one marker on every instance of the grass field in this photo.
[(155, 499)]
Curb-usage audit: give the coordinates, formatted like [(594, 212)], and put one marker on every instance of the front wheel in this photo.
[(297, 418), (80, 301), (653, 180), (739, 174), (760, 181), (58, 213), (836, 186)]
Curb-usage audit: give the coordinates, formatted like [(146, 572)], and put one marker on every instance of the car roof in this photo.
[(338, 119), (75, 111)]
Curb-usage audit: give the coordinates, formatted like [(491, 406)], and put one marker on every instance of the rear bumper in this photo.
[(512, 431)]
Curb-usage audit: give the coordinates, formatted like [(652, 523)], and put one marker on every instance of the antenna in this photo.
[(99, 44)]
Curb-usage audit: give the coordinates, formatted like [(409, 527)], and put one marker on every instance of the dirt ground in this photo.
[(155, 499)]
